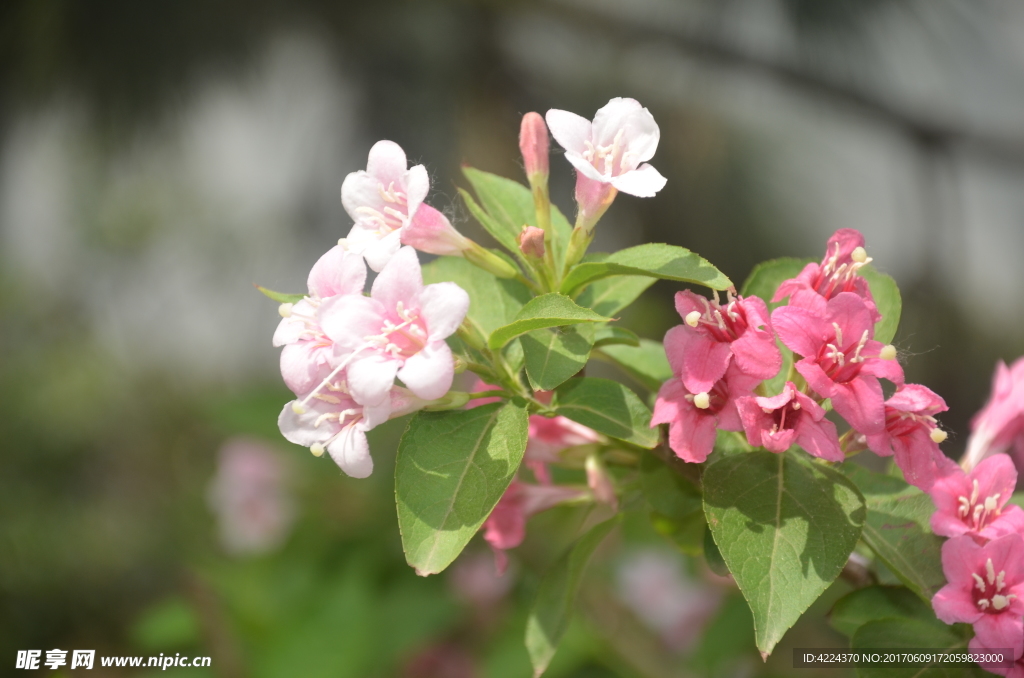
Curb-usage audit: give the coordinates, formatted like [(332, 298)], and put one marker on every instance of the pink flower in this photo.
[(999, 425), (714, 336), (249, 494), (531, 242), (840, 359), (912, 433), (386, 203), (837, 272), (607, 153), (505, 528), (776, 423), (307, 353), (533, 143), (399, 330), (984, 589), (975, 503), (693, 418)]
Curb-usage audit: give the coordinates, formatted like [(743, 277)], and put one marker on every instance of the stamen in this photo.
[(297, 408), (888, 352), (317, 449), (839, 333), (1001, 602), (938, 435), (991, 503), (965, 507), (795, 405), (285, 310), (859, 254), (702, 400), (990, 572), (978, 582), (982, 603), (693, 318), (334, 400), (1000, 580)]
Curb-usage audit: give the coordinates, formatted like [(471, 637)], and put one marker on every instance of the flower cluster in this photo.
[(723, 352)]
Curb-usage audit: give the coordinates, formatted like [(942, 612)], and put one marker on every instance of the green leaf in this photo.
[(552, 610), (646, 363), (655, 260), (552, 356), (686, 533), (876, 602), (281, 297), (548, 310), (713, 556), (493, 302), (887, 298), (910, 634), (608, 407), (491, 225), (608, 296), (615, 336), (785, 527), (898, 530), (666, 491), (768, 275), (452, 468)]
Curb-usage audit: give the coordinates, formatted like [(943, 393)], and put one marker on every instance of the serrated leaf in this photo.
[(493, 302), (655, 260), (608, 407), (608, 296), (452, 469), (876, 602), (887, 298), (785, 527), (281, 297), (553, 607), (898, 530), (911, 634), (548, 310), (768, 275), (647, 363), (552, 356), (615, 336)]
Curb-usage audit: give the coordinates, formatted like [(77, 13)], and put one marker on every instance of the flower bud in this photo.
[(533, 143), (531, 242), (489, 261), (431, 232)]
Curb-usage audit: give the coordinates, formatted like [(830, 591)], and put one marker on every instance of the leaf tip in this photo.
[(764, 655)]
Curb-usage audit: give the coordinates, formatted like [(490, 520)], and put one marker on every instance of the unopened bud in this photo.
[(533, 143), (938, 435), (317, 449), (692, 318), (888, 352), (285, 310), (531, 242), (859, 254), (702, 400), (297, 408)]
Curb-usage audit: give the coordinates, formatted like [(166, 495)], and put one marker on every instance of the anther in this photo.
[(285, 310), (990, 572), (343, 242), (982, 603), (979, 582), (702, 400), (938, 435), (692, 318), (888, 352), (796, 405), (859, 254), (317, 449), (1000, 602), (297, 408)]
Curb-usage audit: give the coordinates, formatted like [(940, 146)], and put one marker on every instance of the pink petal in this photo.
[(788, 287), (1001, 630), (675, 343), (299, 429), (399, 281), (351, 452), (348, 319), (303, 366), (626, 114), (756, 354), (816, 377), (337, 272), (386, 162), (417, 184), (290, 330), (379, 253), (754, 419), (800, 330), (962, 557), (850, 312), (704, 362), (915, 455), (859, 402), (430, 372), (569, 130), (819, 439), (585, 168), (431, 232), (918, 399), (779, 441), (1010, 521), (952, 605), (370, 378), (643, 182), (360, 189), (443, 306)]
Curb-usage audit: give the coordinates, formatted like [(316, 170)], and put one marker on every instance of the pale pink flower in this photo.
[(715, 336), (250, 497), (975, 503), (399, 330), (505, 528), (984, 589), (694, 418), (912, 433), (778, 422), (837, 272), (840, 359), (308, 352), (386, 202), (999, 425)]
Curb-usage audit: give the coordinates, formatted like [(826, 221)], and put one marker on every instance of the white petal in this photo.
[(430, 372), (349, 318), (370, 378), (416, 184), (299, 429), (288, 331), (360, 190), (443, 305), (386, 162), (400, 280), (304, 365), (379, 253), (375, 415), (642, 182), (337, 272), (612, 117), (642, 136), (569, 130), (584, 166), (351, 452)]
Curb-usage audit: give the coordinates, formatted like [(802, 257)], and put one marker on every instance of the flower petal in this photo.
[(337, 272), (370, 378), (443, 305), (643, 182), (351, 452), (399, 281), (571, 131), (349, 318), (430, 372), (386, 162)]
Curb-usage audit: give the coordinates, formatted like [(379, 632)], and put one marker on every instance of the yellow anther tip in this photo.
[(285, 310), (938, 435), (692, 318), (317, 449), (297, 408), (859, 254), (888, 352), (702, 400)]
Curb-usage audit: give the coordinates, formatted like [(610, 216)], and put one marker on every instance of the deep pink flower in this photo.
[(999, 425), (975, 503), (308, 352), (778, 422), (505, 528), (984, 589), (386, 203), (837, 272), (713, 336), (399, 330), (840, 359), (912, 433), (693, 418)]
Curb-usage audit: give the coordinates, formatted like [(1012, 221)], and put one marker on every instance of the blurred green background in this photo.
[(158, 159)]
